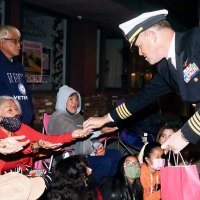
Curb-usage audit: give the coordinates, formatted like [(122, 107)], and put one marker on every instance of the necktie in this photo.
[(169, 61), (171, 66)]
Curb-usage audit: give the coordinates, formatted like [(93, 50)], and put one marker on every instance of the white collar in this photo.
[(171, 52)]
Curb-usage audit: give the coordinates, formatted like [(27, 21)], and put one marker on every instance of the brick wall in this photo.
[(43, 102), (96, 105)]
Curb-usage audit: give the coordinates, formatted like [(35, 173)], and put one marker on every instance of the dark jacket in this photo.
[(187, 47), (13, 83), (114, 188)]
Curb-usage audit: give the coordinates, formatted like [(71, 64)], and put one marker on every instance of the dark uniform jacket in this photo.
[(185, 80)]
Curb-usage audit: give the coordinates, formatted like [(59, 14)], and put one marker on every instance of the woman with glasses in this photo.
[(125, 185)]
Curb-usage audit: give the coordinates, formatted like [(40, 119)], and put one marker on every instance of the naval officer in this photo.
[(177, 56)]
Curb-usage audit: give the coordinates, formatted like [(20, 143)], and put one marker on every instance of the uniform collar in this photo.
[(171, 52)]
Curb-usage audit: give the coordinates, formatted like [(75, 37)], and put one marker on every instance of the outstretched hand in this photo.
[(80, 133), (176, 142), (48, 145), (95, 122), (12, 144), (109, 129)]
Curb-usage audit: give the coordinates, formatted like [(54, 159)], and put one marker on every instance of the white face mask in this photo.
[(158, 163)]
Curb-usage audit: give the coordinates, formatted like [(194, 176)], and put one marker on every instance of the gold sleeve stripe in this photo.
[(122, 111), (194, 123)]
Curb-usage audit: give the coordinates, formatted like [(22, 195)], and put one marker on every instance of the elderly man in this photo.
[(178, 63), (13, 81)]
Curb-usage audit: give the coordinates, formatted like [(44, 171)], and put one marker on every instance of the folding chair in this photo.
[(41, 162), (117, 136), (120, 144), (135, 128), (46, 119)]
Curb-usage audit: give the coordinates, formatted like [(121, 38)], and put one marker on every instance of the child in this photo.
[(125, 184), (150, 171)]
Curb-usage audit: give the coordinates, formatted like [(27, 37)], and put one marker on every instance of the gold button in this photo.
[(196, 79), (194, 105)]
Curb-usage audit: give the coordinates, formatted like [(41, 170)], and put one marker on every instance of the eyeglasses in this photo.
[(131, 163), (14, 41)]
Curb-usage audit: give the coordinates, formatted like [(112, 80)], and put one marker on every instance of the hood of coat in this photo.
[(62, 97)]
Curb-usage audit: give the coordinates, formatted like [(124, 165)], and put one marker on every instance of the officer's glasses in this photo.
[(14, 41)]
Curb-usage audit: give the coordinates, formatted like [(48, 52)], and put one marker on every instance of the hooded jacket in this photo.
[(62, 121), (149, 182)]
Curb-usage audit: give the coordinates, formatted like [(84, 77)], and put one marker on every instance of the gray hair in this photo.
[(6, 29), (5, 98), (162, 24)]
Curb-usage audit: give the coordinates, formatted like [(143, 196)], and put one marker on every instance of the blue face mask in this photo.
[(11, 124)]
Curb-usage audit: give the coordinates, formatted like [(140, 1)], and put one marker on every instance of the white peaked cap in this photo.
[(132, 28)]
